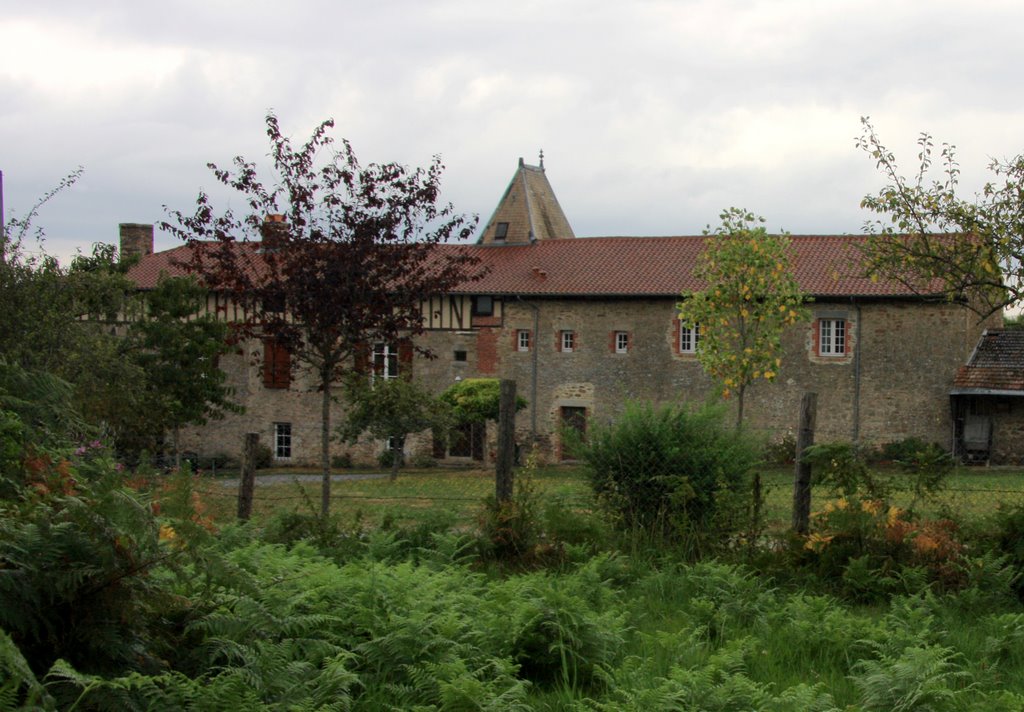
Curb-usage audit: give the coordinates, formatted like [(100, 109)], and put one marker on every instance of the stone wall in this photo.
[(892, 383)]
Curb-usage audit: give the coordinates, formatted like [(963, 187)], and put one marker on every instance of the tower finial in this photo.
[(542, 158)]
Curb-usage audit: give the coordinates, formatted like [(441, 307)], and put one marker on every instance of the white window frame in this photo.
[(282, 441), (568, 341), (385, 362), (689, 338), (523, 340), (832, 337), (622, 342)]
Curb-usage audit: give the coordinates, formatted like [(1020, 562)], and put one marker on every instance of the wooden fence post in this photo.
[(802, 478), (248, 475), (506, 441)]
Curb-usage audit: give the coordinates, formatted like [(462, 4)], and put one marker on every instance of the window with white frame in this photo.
[(523, 340), (282, 441), (385, 361), (689, 338), (568, 341), (831, 337), (621, 342)]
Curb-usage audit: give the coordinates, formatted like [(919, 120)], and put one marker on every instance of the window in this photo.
[(282, 441), (567, 341), (831, 337), (277, 363), (483, 305), (460, 355), (274, 302), (522, 340), (385, 361), (689, 338), (501, 231), (622, 342)]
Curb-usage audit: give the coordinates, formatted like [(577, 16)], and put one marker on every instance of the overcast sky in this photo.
[(653, 116)]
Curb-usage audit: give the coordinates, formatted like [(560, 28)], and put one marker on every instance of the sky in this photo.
[(653, 116)]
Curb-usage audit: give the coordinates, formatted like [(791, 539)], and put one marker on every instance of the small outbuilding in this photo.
[(988, 400)]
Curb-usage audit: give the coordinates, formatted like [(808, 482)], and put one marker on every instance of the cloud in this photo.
[(653, 115)]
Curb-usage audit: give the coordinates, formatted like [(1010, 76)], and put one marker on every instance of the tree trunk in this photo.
[(248, 478), (325, 443), (177, 449), (739, 405), (396, 456), (503, 482), (802, 474)]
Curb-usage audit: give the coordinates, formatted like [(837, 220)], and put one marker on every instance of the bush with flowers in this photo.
[(884, 540), (860, 538)]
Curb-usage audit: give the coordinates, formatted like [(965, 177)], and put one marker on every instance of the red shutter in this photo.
[(361, 360), (611, 341), (277, 362), (405, 351)]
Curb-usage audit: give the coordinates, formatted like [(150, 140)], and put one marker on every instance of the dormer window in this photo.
[(483, 305), (501, 231)]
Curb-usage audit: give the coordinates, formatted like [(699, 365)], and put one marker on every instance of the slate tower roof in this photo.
[(527, 212)]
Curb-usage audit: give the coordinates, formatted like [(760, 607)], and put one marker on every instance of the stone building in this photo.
[(585, 325), (988, 400)]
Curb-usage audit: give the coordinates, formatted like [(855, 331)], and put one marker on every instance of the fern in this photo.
[(917, 679), (19, 687)]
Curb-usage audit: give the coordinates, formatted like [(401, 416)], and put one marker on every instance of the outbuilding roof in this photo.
[(996, 367)]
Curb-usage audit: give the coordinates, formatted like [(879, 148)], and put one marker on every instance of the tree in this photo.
[(347, 265), (931, 240), (391, 409), (58, 320), (476, 399), (178, 349), (751, 297)]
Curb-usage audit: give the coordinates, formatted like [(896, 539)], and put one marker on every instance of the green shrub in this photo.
[(217, 461), (342, 461), (422, 462), (511, 531), (781, 452), (264, 456), (387, 458), (668, 470), (907, 450), (843, 468)]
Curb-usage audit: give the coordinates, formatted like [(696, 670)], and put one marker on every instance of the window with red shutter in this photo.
[(277, 364)]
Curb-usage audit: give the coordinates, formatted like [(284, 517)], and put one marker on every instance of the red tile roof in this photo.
[(825, 266)]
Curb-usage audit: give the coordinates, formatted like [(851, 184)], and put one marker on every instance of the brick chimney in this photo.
[(136, 239), (274, 231)]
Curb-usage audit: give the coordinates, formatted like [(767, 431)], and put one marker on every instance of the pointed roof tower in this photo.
[(528, 211)]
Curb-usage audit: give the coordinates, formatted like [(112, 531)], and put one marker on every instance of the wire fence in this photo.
[(454, 494), (970, 494)]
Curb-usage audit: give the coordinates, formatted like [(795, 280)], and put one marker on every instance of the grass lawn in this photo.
[(970, 493), (415, 494)]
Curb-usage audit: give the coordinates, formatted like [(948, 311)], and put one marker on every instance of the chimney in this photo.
[(274, 231), (136, 239)]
